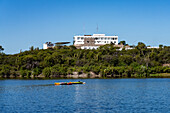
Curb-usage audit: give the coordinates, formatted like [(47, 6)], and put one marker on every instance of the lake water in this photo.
[(97, 95)]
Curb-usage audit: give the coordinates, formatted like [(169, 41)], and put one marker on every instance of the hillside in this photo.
[(106, 62)]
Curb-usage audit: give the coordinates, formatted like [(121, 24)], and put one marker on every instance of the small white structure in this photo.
[(48, 45), (152, 47), (94, 41)]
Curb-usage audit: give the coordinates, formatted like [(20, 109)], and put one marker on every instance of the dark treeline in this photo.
[(106, 60)]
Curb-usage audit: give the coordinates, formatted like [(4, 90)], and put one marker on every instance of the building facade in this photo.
[(94, 41)]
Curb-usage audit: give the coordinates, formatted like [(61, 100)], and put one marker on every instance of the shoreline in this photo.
[(158, 75)]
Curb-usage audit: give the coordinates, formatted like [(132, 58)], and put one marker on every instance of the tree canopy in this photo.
[(1, 48), (106, 60)]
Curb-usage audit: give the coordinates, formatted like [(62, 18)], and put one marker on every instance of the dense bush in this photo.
[(106, 60)]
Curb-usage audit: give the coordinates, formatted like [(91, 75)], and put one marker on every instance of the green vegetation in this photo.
[(1, 48), (162, 75), (106, 61)]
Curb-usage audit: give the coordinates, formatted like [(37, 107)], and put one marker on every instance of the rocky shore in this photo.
[(76, 75)]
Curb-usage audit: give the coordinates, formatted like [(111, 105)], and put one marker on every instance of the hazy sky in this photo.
[(26, 23)]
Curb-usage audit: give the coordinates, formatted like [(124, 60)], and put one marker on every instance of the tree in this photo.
[(23, 73), (122, 42), (127, 59), (49, 61), (1, 48), (72, 47), (57, 58), (31, 48), (160, 46), (141, 45), (29, 62), (47, 71), (36, 71), (5, 71), (42, 54)]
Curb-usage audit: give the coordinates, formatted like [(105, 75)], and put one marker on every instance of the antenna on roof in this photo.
[(97, 28), (83, 29)]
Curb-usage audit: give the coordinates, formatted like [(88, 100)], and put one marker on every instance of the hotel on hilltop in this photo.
[(86, 41), (93, 41)]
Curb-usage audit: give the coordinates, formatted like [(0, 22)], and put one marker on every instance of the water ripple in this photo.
[(97, 95)]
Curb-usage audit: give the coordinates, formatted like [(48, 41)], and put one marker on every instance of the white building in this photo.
[(48, 45), (94, 41)]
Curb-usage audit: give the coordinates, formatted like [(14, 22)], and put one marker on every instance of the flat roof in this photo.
[(62, 42), (98, 34), (93, 35)]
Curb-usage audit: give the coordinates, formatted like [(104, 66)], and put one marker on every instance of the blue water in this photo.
[(97, 95)]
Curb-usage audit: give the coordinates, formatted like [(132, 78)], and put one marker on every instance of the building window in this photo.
[(115, 38), (87, 41), (101, 38), (82, 38), (112, 38), (78, 38), (114, 41), (105, 38)]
